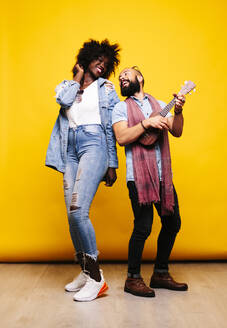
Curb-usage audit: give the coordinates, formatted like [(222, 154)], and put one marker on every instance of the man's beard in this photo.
[(131, 89)]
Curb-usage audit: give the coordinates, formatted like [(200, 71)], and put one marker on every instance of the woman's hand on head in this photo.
[(79, 74)]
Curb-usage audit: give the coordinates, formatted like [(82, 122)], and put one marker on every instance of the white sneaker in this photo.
[(91, 290), (77, 283)]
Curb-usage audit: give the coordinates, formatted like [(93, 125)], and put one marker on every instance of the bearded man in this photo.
[(149, 179)]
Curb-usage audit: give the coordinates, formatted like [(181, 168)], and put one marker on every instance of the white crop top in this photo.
[(85, 109)]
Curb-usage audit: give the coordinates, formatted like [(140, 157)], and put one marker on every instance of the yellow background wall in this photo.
[(171, 41)]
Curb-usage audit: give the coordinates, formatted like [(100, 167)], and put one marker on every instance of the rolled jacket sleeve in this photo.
[(66, 92)]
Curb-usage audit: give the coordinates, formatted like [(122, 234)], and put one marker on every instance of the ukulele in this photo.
[(152, 134)]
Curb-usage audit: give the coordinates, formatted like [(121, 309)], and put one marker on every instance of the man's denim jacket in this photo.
[(66, 92)]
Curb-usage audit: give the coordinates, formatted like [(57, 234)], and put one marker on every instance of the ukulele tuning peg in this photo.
[(194, 90), (190, 93), (185, 82)]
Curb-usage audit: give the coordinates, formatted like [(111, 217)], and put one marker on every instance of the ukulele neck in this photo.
[(167, 108)]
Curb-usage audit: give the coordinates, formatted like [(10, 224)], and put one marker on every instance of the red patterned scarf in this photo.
[(145, 166)]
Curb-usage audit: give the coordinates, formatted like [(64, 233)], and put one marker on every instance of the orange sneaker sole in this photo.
[(103, 289)]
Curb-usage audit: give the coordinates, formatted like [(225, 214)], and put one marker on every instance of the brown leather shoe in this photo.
[(164, 280), (136, 286)]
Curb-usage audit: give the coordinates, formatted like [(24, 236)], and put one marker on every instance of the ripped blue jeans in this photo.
[(87, 163)]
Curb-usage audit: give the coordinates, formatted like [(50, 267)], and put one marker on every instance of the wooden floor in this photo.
[(32, 295)]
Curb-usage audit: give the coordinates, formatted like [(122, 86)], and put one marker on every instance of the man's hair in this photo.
[(138, 71), (92, 50)]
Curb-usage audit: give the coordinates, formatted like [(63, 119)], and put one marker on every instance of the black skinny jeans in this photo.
[(143, 219)]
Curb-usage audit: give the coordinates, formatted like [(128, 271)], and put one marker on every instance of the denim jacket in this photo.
[(66, 92)]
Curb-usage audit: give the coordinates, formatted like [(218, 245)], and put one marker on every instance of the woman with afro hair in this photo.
[(83, 147)]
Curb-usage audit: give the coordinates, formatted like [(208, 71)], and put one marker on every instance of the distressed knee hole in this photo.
[(73, 206), (74, 198)]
